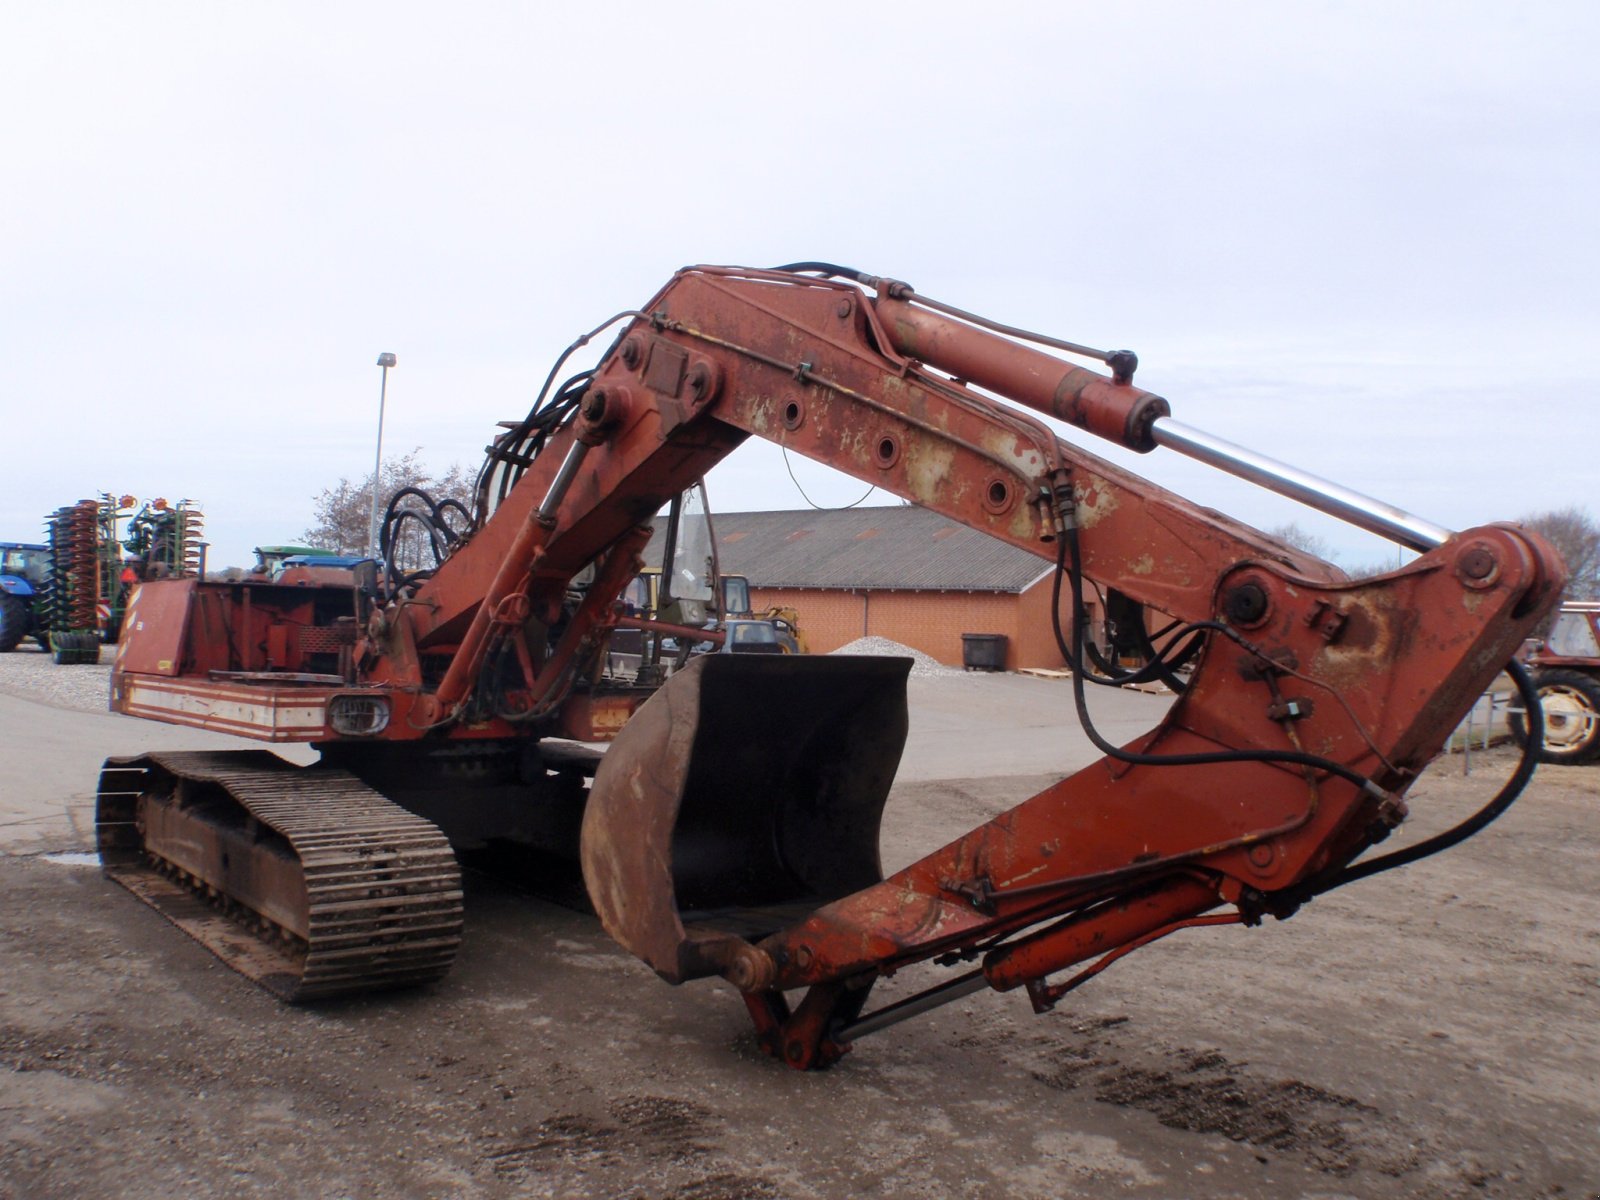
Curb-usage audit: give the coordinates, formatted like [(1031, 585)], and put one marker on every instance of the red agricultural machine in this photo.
[(731, 827), (1566, 674)]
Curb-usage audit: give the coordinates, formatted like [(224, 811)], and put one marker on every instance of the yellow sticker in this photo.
[(164, 664)]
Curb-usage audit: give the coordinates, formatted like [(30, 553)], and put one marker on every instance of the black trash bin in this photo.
[(983, 651)]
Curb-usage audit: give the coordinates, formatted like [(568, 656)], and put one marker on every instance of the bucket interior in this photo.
[(744, 793)]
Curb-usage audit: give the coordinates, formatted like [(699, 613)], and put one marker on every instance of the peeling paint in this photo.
[(928, 469), (1026, 459), (1096, 502)]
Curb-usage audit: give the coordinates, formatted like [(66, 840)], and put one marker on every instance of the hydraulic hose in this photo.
[(1069, 563), (1069, 560), (1502, 800)]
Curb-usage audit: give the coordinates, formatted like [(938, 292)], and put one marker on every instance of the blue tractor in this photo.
[(24, 574)]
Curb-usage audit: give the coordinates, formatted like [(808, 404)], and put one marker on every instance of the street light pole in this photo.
[(385, 360)]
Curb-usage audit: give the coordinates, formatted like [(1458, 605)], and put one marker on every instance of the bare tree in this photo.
[(1571, 530), (342, 513), (1576, 537), (1292, 535), (1312, 544)]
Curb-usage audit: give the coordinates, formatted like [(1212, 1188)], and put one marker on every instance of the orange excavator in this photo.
[(465, 700)]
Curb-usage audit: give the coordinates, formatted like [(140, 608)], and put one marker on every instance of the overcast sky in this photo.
[(1360, 238)]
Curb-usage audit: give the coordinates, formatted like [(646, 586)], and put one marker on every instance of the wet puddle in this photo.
[(73, 858)]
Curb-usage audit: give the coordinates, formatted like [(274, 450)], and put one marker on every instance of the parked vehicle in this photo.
[(1567, 676), (743, 636), (271, 559), (24, 576)]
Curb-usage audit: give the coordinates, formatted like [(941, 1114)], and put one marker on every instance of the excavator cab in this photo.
[(688, 578), (674, 599)]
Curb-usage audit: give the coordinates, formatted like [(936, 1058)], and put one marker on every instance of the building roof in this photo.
[(902, 548)]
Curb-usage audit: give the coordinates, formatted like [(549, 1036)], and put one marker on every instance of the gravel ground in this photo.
[(28, 672), (1433, 1037), (1434, 1033)]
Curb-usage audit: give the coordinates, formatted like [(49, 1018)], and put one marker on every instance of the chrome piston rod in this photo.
[(565, 474), (1364, 512)]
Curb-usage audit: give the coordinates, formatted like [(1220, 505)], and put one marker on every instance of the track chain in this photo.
[(383, 889)]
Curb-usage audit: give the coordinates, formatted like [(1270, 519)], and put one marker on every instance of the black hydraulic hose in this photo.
[(1115, 676), (582, 341), (451, 505), (1068, 559), (1156, 665), (543, 417), (829, 269), (520, 446), (1166, 669), (1502, 800), (432, 516)]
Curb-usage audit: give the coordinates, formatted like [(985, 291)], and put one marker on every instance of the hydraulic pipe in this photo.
[(913, 1006)]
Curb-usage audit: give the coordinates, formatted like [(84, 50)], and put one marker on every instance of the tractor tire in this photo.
[(1571, 702), (75, 647), (15, 618)]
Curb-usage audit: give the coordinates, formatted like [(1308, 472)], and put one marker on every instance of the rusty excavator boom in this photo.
[(459, 701)]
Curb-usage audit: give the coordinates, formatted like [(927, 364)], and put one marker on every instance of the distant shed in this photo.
[(901, 572)]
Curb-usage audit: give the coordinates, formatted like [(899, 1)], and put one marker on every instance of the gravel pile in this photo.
[(29, 673), (923, 666)]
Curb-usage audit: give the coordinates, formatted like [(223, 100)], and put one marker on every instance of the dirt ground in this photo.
[(1432, 1033)]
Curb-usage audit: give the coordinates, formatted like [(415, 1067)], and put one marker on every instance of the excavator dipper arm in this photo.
[(1314, 701)]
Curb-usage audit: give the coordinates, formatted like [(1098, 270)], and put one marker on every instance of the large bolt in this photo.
[(1477, 566), (632, 353), (1246, 604), (751, 969), (699, 383)]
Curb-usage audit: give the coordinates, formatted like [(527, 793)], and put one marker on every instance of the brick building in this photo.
[(901, 572)]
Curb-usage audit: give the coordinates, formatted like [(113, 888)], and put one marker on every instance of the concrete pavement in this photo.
[(50, 765)]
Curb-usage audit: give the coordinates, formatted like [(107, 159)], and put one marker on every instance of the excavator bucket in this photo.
[(745, 793)]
